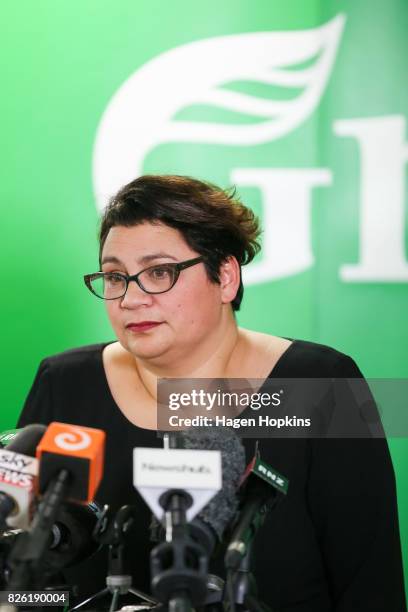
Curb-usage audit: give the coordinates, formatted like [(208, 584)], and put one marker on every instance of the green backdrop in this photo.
[(302, 104)]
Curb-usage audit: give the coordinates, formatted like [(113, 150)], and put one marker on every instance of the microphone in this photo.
[(74, 534), (71, 539), (79, 451), (71, 462), (212, 521), (7, 436), (176, 484), (18, 475), (260, 486), (26, 439), (161, 474), (184, 581)]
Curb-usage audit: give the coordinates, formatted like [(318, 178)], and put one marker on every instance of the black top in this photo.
[(332, 544)]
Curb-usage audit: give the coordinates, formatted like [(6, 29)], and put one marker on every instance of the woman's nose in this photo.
[(135, 296)]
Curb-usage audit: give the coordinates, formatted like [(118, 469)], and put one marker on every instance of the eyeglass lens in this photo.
[(156, 279)]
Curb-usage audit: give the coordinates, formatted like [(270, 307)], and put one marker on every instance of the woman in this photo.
[(171, 251)]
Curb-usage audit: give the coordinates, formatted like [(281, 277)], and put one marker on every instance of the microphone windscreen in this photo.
[(223, 507), (27, 440), (73, 535)]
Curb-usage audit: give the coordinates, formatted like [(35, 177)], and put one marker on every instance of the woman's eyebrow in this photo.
[(153, 256), (142, 260), (110, 259)]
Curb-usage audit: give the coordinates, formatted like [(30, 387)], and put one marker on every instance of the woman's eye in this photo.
[(112, 278), (159, 273)]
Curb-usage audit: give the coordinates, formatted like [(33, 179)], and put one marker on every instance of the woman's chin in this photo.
[(144, 348)]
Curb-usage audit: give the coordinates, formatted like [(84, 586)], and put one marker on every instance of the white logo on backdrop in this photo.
[(77, 440), (142, 115)]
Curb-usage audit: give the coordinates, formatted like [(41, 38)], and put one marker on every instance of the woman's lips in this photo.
[(143, 326)]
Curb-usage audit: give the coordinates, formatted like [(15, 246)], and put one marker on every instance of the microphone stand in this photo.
[(240, 584), (27, 555), (117, 581), (179, 566), (243, 586)]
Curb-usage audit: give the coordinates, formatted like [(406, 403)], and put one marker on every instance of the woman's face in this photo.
[(186, 314)]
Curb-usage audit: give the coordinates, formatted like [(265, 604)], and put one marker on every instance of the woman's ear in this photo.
[(229, 278)]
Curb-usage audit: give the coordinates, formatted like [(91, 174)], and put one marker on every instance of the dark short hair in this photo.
[(212, 221)]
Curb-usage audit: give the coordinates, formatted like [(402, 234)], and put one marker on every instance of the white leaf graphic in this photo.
[(140, 115)]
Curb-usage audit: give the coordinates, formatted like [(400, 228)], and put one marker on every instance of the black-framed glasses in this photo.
[(155, 279)]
